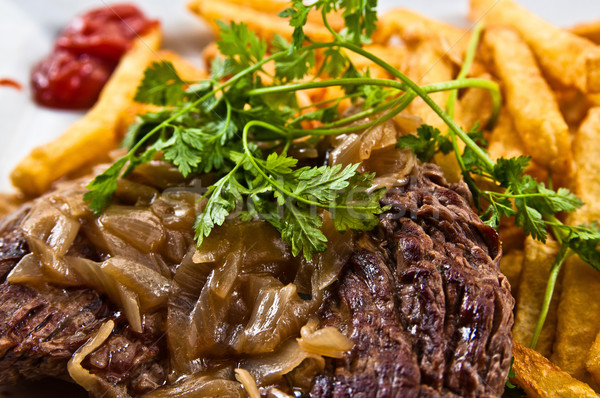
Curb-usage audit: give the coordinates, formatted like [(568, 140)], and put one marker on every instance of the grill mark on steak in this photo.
[(42, 327), (424, 285)]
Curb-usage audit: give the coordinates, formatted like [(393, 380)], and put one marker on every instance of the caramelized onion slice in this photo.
[(54, 267), (94, 275), (354, 148), (90, 382), (152, 288), (246, 379), (328, 342), (277, 314), (28, 271), (45, 223), (200, 386), (270, 368), (139, 227)]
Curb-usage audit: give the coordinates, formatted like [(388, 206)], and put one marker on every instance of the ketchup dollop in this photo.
[(85, 54)]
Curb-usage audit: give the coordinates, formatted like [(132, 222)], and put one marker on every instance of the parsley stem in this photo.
[(326, 23), (562, 255), (426, 98), (349, 81), (367, 81), (368, 112), (403, 101)]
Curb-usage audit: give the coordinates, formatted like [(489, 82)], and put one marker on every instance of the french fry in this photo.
[(586, 150), (534, 277), (183, 67), (393, 55), (209, 53), (511, 236), (505, 142), (592, 363), (511, 266), (589, 30), (578, 318), (474, 107), (579, 307), (93, 136), (274, 7), (265, 25), (537, 118), (573, 105), (412, 27), (425, 65), (542, 379), (565, 57)]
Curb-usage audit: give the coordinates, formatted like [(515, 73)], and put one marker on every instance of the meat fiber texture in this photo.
[(421, 297), (423, 300)]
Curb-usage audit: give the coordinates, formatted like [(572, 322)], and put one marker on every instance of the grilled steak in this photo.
[(421, 298), (423, 301)]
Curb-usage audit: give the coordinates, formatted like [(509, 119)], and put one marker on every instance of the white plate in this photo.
[(28, 27)]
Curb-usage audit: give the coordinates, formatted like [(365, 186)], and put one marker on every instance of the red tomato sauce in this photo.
[(85, 54)]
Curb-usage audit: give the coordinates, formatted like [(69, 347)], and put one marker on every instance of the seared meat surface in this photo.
[(423, 301), (421, 298), (43, 326)]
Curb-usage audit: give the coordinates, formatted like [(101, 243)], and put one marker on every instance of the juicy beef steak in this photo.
[(421, 298), (423, 301)]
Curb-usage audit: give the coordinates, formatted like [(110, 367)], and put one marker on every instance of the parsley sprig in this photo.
[(238, 125)]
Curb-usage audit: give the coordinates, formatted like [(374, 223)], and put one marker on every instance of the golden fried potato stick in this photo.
[(511, 236), (534, 277), (265, 25), (542, 379), (592, 363), (412, 27), (578, 318), (427, 65), (93, 136), (589, 30), (586, 152), (573, 104), (579, 307), (530, 101), (184, 68), (474, 107), (565, 57), (511, 266), (504, 141), (396, 56), (274, 7)]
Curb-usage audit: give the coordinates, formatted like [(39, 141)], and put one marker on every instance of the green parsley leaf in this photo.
[(426, 143), (103, 187), (241, 45), (161, 85)]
